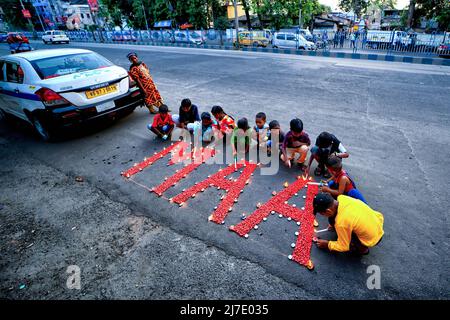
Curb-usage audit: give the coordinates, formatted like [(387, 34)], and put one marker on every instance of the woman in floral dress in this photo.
[(140, 73)]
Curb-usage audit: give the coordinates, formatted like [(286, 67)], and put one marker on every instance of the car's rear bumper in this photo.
[(71, 115)]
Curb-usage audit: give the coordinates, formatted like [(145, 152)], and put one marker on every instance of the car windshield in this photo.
[(58, 33), (62, 65), (194, 35)]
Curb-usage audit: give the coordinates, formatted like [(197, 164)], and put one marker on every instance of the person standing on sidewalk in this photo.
[(342, 39), (140, 73), (336, 37)]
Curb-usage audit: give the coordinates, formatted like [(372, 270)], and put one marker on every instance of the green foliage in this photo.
[(13, 14), (283, 13), (358, 6), (221, 23), (200, 13), (434, 9)]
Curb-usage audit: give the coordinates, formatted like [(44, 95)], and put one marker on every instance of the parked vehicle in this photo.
[(58, 88), (18, 42), (16, 36), (291, 40), (3, 36), (377, 39), (307, 34), (443, 50), (55, 36), (191, 38), (252, 38)]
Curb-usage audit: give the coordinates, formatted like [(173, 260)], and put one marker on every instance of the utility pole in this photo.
[(236, 21), (300, 24), (38, 15), (145, 16), (29, 20)]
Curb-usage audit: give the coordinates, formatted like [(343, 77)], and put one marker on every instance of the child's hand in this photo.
[(322, 244), (234, 153), (288, 163), (325, 189)]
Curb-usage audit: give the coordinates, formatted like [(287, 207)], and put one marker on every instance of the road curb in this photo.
[(326, 54)]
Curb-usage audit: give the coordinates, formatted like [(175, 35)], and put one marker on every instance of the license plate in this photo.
[(105, 106), (101, 91)]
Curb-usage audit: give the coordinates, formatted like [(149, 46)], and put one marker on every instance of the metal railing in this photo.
[(384, 42)]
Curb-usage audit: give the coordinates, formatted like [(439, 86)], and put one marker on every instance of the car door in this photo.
[(291, 42), (279, 40), (13, 88)]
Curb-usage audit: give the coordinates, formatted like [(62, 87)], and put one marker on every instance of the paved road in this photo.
[(393, 118)]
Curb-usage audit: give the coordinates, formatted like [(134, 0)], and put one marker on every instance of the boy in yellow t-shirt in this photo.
[(358, 227)]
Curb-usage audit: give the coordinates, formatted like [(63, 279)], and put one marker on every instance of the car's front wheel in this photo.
[(45, 42)]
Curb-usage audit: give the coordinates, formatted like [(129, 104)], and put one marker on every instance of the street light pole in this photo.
[(145, 16), (236, 21), (29, 20), (300, 25)]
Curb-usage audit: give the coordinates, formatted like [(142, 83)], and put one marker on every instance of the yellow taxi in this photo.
[(252, 38)]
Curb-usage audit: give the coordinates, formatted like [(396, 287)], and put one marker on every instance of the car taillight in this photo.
[(50, 98)]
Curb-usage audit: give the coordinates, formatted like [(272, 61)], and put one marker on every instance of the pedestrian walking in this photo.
[(140, 73)]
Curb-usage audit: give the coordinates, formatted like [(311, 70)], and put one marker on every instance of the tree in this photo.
[(197, 11), (13, 13), (247, 13), (438, 10), (358, 6), (434, 9), (221, 24), (412, 6), (282, 13)]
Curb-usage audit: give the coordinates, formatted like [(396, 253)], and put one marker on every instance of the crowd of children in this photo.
[(293, 145), (338, 192), (358, 226)]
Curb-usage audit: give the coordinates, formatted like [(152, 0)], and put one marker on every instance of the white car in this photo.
[(285, 40), (55, 36), (58, 88)]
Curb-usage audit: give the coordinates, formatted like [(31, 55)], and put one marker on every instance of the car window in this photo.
[(290, 37), (62, 65), (280, 36), (14, 72)]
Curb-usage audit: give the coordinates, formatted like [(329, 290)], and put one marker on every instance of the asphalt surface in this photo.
[(393, 118)]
